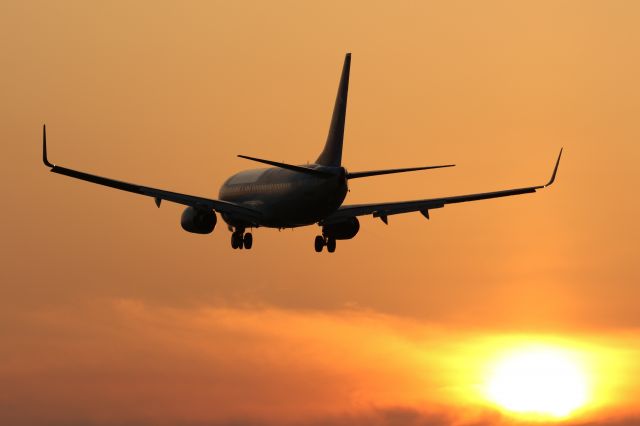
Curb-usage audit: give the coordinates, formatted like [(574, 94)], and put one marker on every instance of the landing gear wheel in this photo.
[(331, 245), (248, 240), (236, 241), (319, 243)]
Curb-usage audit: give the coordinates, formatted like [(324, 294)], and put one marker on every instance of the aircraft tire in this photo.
[(248, 240), (331, 245), (319, 243), (236, 241)]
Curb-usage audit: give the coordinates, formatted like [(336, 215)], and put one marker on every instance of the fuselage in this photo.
[(285, 198)]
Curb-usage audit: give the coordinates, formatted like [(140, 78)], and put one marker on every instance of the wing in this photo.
[(383, 210), (237, 210)]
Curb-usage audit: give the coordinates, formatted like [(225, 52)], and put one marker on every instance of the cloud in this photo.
[(127, 362)]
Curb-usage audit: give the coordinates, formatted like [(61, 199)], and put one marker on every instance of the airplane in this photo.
[(290, 196)]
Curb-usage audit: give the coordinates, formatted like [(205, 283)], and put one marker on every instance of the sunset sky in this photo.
[(111, 314)]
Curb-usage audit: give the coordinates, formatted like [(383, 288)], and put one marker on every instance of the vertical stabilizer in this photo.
[(332, 153)]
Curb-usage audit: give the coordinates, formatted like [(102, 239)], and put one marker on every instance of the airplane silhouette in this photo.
[(288, 196)]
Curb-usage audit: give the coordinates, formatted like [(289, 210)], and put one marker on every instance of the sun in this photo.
[(540, 381)]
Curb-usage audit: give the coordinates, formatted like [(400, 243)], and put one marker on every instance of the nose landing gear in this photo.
[(320, 242)]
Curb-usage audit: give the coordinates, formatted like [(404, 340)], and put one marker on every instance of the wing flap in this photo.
[(383, 210), (159, 194)]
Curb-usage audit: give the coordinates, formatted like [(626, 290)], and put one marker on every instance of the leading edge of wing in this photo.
[(383, 210), (158, 194)]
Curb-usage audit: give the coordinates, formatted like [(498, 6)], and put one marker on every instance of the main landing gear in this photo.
[(240, 240), (321, 242)]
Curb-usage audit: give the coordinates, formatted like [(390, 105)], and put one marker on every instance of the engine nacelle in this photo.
[(198, 221), (344, 230)]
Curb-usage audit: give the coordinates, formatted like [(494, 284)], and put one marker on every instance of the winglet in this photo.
[(555, 170), (44, 147)]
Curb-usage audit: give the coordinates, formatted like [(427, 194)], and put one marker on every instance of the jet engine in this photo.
[(198, 221), (344, 230)]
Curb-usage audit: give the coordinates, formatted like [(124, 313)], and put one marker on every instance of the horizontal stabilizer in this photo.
[(300, 169), (356, 175)]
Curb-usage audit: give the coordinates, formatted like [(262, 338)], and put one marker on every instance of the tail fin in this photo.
[(332, 153)]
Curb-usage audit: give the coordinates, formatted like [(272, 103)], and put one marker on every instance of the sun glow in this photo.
[(540, 381)]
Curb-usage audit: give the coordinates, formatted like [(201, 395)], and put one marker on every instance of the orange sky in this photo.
[(111, 314)]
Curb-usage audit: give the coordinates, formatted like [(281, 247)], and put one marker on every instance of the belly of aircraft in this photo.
[(296, 213), (290, 205)]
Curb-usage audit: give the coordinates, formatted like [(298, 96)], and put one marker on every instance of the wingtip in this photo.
[(555, 169), (439, 167), (45, 160)]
